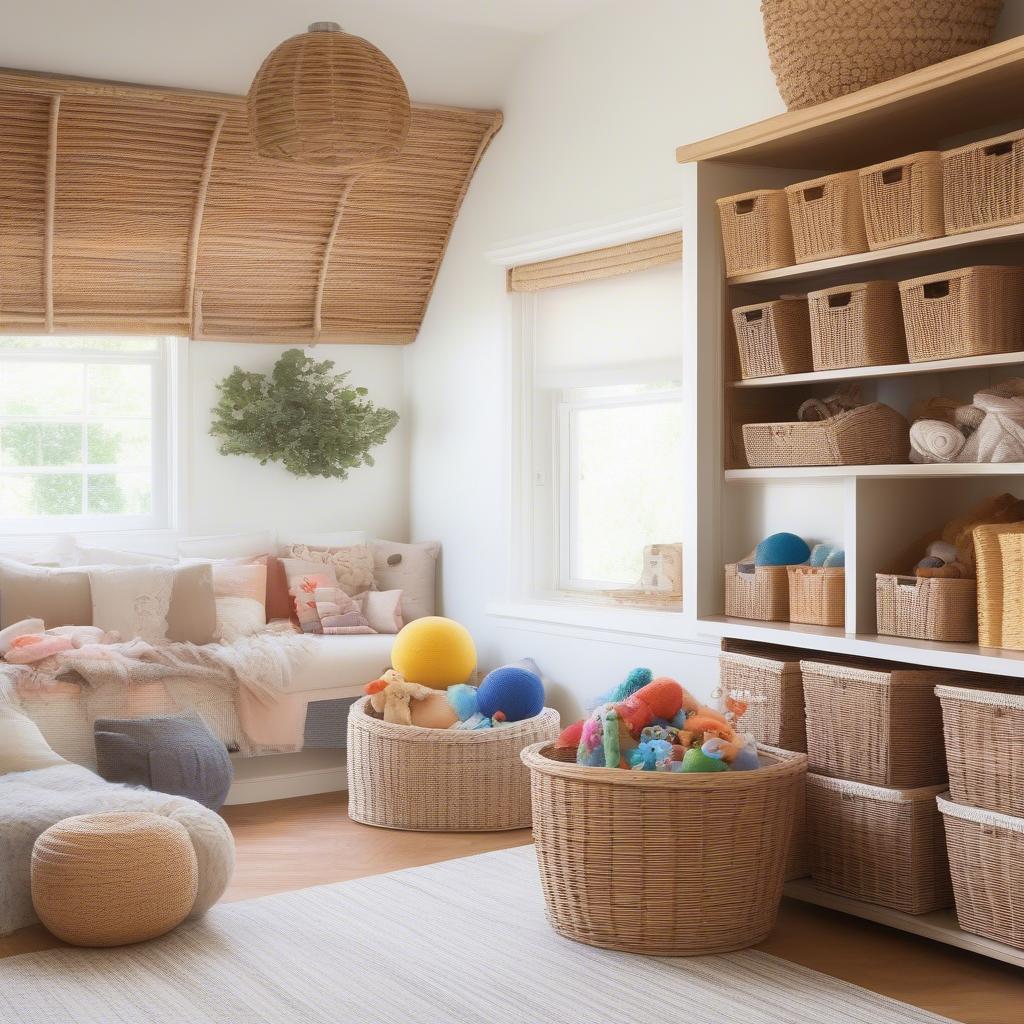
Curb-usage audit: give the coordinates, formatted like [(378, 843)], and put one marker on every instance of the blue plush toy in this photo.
[(828, 555), (636, 680), (511, 694), (648, 754), (782, 549), (463, 699)]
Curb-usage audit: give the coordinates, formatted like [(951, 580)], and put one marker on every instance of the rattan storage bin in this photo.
[(762, 594), (756, 234), (973, 311), (902, 200), (986, 850), (880, 845), (798, 864), (869, 434), (857, 325), (983, 184), (826, 217), (992, 582), (661, 863), (879, 724), (817, 595), (926, 609), (440, 780), (769, 680), (773, 338), (984, 732)]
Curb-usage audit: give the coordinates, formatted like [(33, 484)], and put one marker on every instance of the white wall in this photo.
[(592, 118)]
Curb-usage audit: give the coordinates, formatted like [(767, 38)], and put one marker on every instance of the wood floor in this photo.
[(291, 844)]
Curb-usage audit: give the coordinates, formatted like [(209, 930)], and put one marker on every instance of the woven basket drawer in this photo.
[(857, 325), (902, 200), (880, 845), (983, 184), (762, 594), (826, 217), (769, 681), (817, 595), (878, 724), (773, 338), (927, 609), (755, 232)]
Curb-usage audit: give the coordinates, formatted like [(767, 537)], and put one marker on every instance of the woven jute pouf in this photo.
[(441, 780), (663, 863), (111, 879)]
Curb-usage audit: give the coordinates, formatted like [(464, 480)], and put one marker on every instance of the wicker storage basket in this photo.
[(857, 325), (761, 594), (826, 217), (660, 863), (879, 724), (992, 582), (973, 311), (986, 851), (773, 338), (798, 864), (902, 200), (440, 780), (883, 846), (984, 731), (983, 184), (817, 595), (1011, 549), (756, 234), (927, 609), (769, 680), (869, 434)]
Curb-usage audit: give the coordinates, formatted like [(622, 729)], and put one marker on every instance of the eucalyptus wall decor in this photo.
[(301, 414)]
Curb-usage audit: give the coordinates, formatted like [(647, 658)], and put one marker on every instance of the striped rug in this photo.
[(461, 942)]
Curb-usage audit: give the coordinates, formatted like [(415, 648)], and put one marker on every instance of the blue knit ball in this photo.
[(515, 692), (782, 549)]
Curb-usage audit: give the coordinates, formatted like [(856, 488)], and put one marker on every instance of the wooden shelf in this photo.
[(909, 113), (903, 472), (985, 236)]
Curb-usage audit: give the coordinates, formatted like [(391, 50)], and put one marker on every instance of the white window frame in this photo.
[(167, 361)]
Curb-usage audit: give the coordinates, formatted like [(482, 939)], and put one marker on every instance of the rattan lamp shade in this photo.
[(329, 99)]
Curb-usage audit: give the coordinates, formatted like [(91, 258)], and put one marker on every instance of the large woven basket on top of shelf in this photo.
[(880, 845), (902, 199), (440, 780), (869, 434), (828, 48), (993, 583), (768, 680), (927, 609), (773, 338), (756, 234), (762, 594), (826, 217), (983, 184), (986, 850), (662, 863), (856, 325), (817, 595)]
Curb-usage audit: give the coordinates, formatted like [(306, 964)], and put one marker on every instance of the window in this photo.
[(85, 433)]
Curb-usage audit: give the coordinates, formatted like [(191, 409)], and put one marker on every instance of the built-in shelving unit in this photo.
[(931, 471)]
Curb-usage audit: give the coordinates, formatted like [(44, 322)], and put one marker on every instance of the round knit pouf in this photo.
[(111, 879)]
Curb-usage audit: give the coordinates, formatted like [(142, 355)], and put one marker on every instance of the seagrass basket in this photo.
[(880, 845), (1011, 550), (826, 217), (762, 594), (773, 338), (440, 780), (984, 733), (660, 863), (817, 595), (993, 583), (756, 234), (972, 311), (986, 850), (879, 724), (902, 200), (869, 434), (927, 609), (983, 184), (857, 325), (769, 680), (798, 864)]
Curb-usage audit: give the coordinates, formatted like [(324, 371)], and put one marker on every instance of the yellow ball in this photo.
[(434, 651)]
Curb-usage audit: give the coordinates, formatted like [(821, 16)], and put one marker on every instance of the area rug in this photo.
[(462, 941)]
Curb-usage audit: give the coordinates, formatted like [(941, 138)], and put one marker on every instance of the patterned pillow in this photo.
[(339, 613), (303, 588), (353, 565)]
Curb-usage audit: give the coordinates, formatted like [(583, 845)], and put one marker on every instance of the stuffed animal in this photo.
[(391, 696), (511, 694), (433, 712)]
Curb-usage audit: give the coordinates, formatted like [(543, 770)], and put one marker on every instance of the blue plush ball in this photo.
[(782, 549), (515, 692)]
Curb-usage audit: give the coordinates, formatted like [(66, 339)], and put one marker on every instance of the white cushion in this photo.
[(349, 660), (22, 747), (132, 601), (228, 545), (411, 568), (382, 609), (336, 539)]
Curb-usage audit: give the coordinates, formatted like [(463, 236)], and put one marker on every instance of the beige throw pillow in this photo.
[(192, 615), (411, 568), (60, 597), (353, 566)]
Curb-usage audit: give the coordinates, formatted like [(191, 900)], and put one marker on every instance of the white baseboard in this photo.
[(280, 777)]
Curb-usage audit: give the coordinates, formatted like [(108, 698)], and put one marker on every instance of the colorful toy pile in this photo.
[(648, 724)]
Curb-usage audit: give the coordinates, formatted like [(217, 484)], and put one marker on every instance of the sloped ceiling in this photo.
[(134, 209)]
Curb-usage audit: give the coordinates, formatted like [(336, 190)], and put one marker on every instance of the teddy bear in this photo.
[(392, 696)]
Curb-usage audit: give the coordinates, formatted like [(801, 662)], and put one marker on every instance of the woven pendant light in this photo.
[(330, 99)]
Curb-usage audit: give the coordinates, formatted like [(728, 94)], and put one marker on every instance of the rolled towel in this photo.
[(16, 629), (935, 441)]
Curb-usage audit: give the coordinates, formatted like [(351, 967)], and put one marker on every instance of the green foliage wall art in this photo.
[(300, 414)]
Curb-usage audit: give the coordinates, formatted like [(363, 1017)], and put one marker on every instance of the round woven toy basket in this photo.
[(820, 49), (659, 863), (440, 780)]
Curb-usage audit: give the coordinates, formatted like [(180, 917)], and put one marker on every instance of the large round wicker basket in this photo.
[(820, 49), (440, 780), (664, 864)]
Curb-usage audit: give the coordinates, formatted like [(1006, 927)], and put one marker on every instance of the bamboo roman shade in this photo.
[(140, 210), (599, 263)]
